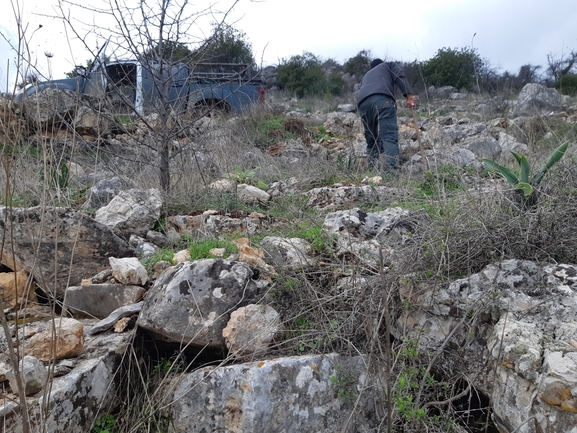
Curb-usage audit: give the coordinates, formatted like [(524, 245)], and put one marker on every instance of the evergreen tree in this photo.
[(453, 67)]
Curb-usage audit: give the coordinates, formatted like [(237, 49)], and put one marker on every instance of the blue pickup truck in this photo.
[(143, 86)]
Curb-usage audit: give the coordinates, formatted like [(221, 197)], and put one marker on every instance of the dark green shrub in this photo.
[(453, 67), (567, 84), (335, 83), (304, 75), (173, 51), (226, 45), (359, 64)]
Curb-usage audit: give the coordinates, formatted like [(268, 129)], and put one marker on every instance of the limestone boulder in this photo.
[(117, 315), (5, 366), (436, 137), (131, 212), (557, 389), (509, 143), (516, 322), (537, 99), (441, 92), (75, 400), (285, 187), (292, 395), (223, 185), (484, 147), (58, 246), (50, 107), (14, 124), (342, 123), (157, 238), (453, 156), (251, 194), (347, 108), (251, 255), (213, 223), (56, 339), (293, 252), (359, 223), (142, 247), (159, 267), (251, 330), (370, 236), (16, 288), (128, 270), (192, 301), (457, 96), (342, 195), (463, 130), (33, 375), (90, 121), (103, 189), (537, 376)]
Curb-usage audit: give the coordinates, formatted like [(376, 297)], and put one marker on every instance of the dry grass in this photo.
[(336, 305)]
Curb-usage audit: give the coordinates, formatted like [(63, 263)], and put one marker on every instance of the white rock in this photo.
[(128, 270), (181, 256), (251, 329), (32, 373), (251, 194)]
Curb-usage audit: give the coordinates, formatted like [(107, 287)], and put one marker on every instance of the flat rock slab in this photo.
[(120, 313), (290, 395), (58, 246), (99, 300)]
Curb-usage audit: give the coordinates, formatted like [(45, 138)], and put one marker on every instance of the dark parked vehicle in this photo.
[(143, 85)]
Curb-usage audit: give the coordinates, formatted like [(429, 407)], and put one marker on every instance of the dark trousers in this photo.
[(379, 116)]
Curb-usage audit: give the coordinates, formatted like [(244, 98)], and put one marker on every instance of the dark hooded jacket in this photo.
[(381, 80)]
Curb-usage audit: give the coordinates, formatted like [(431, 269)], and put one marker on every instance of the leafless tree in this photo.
[(157, 35), (561, 66), (527, 74)]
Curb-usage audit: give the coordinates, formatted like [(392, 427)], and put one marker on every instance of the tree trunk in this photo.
[(164, 165)]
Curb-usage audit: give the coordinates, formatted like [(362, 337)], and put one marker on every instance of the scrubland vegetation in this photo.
[(339, 304)]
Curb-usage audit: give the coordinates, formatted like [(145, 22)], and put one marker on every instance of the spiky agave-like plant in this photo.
[(523, 182)]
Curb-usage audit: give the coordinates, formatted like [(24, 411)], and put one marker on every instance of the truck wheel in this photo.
[(212, 108)]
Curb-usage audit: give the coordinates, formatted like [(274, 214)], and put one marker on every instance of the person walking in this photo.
[(378, 109)]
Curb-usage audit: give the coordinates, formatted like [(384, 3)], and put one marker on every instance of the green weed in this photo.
[(164, 254), (165, 366), (201, 249), (104, 424), (59, 177), (345, 382), (443, 179), (320, 242), (124, 120), (272, 130), (319, 133), (246, 177)]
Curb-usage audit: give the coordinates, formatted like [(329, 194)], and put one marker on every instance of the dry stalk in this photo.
[(13, 352), (388, 352), (421, 148)]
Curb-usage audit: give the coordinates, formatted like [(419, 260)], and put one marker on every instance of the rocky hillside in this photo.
[(275, 284)]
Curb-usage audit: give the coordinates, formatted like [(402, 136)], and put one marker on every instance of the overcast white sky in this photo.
[(508, 33)]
